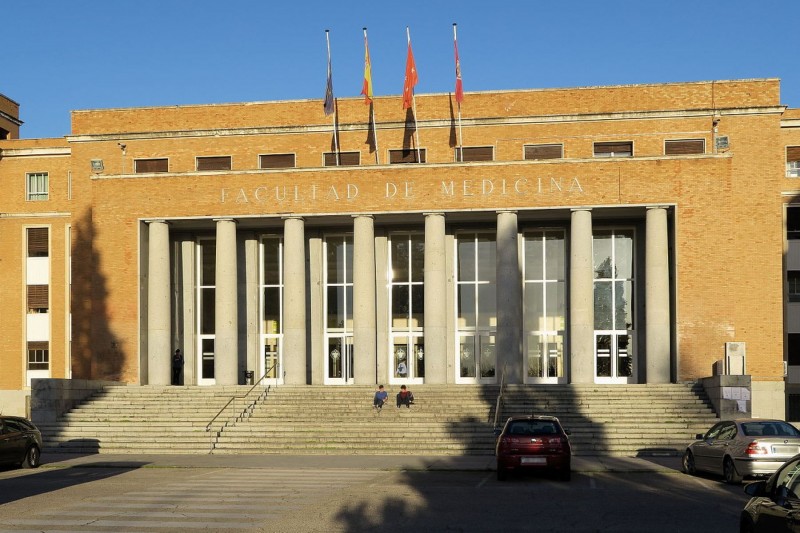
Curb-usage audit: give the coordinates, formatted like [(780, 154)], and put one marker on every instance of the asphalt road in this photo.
[(158, 498)]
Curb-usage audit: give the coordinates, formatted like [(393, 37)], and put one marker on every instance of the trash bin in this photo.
[(248, 377)]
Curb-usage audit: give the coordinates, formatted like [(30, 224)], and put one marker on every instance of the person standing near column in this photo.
[(177, 367)]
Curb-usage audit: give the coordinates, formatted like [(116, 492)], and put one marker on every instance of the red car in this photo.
[(533, 443)]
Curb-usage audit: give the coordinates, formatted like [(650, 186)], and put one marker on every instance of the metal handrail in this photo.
[(245, 395), (499, 396)]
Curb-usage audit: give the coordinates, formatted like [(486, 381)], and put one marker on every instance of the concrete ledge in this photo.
[(719, 388), (51, 398)]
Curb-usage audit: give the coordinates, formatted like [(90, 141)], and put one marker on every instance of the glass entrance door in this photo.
[(614, 358), (477, 359), (339, 360)]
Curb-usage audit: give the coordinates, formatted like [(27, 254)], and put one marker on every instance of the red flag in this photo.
[(366, 90), (459, 86), (411, 78)]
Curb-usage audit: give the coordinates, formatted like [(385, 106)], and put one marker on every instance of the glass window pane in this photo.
[(208, 263), (535, 356), (602, 254), (603, 352), (623, 296), (487, 261), (272, 262), (603, 310), (400, 357), (272, 310), (348, 257), (418, 361), (400, 259), (336, 307), (487, 305), (400, 310), (417, 305), (335, 259), (466, 351), (466, 259), (349, 307), (207, 311), (555, 256), (533, 257), (417, 257), (488, 356), (335, 357), (555, 356), (624, 356), (534, 307), (623, 250), (466, 306), (207, 358), (556, 305)]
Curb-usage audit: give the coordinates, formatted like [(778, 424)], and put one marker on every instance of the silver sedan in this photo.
[(743, 447)]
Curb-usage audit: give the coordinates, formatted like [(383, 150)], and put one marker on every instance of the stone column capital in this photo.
[(292, 217), (156, 221), (363, 215), (575, 209), (225, 219)]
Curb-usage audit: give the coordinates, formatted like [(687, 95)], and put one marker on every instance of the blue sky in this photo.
[(61, 55)]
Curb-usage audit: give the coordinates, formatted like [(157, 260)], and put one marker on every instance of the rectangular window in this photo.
[(543, 151), (793, 282), (38, 355), (398, 157), (221, 162), (793, 350), (614, 149), (793, 161), (146, 166), (407, 294), (277, 161), (38, 298), (345, 159), (793, 222), (474, 153), (685, 147), (38, 245), (38, 186)]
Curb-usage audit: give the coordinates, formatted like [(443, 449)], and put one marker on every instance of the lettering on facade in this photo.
[(404, 190)]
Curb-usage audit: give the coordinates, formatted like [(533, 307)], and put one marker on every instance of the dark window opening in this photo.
[(474, 153), (214, 163), (684, 147), (277, 161), (146, 166), (614, 149), (544, 151), (411, 155), (38, 245), (345, 159)]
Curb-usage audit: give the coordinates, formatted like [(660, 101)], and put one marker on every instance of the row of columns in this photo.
[(509, 343)]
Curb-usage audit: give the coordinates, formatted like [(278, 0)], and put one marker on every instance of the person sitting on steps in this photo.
[(404, 397), (380, 398)]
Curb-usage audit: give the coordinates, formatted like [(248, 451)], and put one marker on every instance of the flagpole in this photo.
[(460, 134), (414, 107), (330, 77), (372, 104)]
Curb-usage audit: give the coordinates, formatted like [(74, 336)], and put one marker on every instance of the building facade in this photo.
[(609, 235)]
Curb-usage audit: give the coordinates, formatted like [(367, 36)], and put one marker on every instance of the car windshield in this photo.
[(769, 429), (533, 427)]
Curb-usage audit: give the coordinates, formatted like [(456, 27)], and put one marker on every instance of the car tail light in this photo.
[(556, 442), (756, 448), (503, 445)]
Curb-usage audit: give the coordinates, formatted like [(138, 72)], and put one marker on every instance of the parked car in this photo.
[(20, 442), (774, 504), (533, 443), (745, 447)]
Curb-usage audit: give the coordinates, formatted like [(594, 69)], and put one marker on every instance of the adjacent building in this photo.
[(609, 235)]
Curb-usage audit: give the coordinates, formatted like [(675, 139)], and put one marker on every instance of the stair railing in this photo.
[(246, 411), (499, 403)]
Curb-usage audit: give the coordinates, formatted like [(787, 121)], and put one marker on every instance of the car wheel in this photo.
[(688, 463), (32, 457), (746, 525), (729, 470), (565, 474)]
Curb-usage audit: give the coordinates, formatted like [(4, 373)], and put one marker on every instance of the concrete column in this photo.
[(509, 299), (226, 324), (294, 301), (581, 298), (364, 330), (159, 343), (657, 311), (435, 286)]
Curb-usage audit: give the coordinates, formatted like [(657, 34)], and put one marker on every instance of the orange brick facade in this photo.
[(726, 206)]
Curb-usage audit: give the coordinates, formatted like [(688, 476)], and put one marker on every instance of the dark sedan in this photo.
[(774, 505), (533, 443), (20, 442)]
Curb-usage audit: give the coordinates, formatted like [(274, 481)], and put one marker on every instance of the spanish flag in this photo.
[(366, 90)]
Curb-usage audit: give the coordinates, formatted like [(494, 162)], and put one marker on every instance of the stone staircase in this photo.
[(445, 420)]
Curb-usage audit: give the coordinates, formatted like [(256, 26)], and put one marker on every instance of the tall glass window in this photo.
[(407, 260), (614, 304), (206, 309), (271, 303), (544, 304), (339, 309), (476, 307)]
